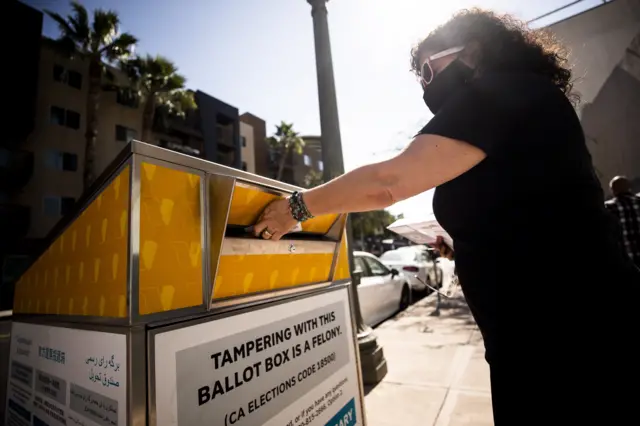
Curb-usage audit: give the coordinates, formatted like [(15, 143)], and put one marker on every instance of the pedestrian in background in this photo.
[(625, 206), (506, 152)]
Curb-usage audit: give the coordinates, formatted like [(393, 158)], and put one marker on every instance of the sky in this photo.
[(258, 55)]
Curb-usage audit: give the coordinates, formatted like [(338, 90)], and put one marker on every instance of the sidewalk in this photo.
[(437, 372)]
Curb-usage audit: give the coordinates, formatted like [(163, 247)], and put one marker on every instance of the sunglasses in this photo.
[(426, 71)]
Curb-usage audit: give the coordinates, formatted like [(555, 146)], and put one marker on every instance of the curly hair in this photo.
[(505, 43)]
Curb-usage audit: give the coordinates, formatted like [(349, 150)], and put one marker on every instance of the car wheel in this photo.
[(405, 297)]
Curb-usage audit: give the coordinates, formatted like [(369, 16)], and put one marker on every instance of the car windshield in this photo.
[(399, 256)]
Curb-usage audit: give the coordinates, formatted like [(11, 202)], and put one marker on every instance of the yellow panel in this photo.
[(84, 271), (248, 203), (241, 275), (342, 268), (170, 239)]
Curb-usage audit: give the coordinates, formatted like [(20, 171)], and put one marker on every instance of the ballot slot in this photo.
[(240, 231)]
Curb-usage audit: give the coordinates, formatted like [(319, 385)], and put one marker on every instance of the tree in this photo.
[(98, 43), (158, 83), (313, 178), (364, 224), (371, 223), (283, 142)]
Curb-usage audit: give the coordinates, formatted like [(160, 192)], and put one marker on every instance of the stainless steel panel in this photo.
[(354, 328), (220, 193), (137, 376), (248, 246), (337, 230), (135, 242), (152, 151)]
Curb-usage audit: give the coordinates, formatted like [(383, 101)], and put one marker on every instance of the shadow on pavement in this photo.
[(452, 309)]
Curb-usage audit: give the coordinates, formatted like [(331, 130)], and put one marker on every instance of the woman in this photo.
[(516, 190)]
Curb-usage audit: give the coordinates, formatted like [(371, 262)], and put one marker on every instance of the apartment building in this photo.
[(58, 138), (42, 157), (604, 45)]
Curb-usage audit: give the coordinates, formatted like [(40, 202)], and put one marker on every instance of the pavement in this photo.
[(437, 372)]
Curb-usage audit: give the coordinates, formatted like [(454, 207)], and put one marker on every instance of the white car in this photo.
[(382, 291), (412, 262)]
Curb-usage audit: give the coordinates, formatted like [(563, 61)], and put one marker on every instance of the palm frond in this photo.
[(80, 23), (177, 102), (105, 27), (174, 82), (65, 28), (286, 139), (120, 47)]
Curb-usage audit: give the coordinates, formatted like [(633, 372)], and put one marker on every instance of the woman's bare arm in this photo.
[(428, 161)]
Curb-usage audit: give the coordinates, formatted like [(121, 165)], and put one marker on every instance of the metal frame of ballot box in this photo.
[(160, 241)]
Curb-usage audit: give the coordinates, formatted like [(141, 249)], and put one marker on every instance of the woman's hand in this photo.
[(443, 248), (275, 221)]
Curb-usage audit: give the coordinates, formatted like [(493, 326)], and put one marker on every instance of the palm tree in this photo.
[(158, 83), (284, 141), (98, 43)]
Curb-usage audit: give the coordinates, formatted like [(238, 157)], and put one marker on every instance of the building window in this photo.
[(127, 97), (125, 134), (307, 160), (64, 117), (243, 140), (320, 166), (73, 120), (244, 166), (70, 77), (58, 206), (62, 161), (58, 73), (57, 115), (220, 132)]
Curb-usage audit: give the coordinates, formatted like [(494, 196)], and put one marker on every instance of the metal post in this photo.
[(374, 366)]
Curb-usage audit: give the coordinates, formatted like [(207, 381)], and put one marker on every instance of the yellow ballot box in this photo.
[(153, 304)]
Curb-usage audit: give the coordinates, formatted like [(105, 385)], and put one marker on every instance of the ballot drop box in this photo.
[(152, 304)]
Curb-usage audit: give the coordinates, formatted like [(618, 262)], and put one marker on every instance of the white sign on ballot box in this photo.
[(292, 364), (61, 376)]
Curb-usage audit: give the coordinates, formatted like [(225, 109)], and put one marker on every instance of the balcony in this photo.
[(15, 220), (16, 169)]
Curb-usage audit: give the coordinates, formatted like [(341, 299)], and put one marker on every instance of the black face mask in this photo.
[(445, 84)]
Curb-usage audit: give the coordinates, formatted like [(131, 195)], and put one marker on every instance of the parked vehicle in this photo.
[(415, 261), (382, 291)]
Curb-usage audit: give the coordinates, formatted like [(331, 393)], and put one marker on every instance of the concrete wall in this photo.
[(248, 149), (260, 151), (597, 40), (605, 52)]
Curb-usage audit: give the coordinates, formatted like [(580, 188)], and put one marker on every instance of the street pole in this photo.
[(373, 363)]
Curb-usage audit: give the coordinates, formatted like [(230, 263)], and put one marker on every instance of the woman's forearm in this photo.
[(427, 162), (361, 189)]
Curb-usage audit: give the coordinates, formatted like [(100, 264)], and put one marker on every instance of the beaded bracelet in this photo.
[(298, 208)]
